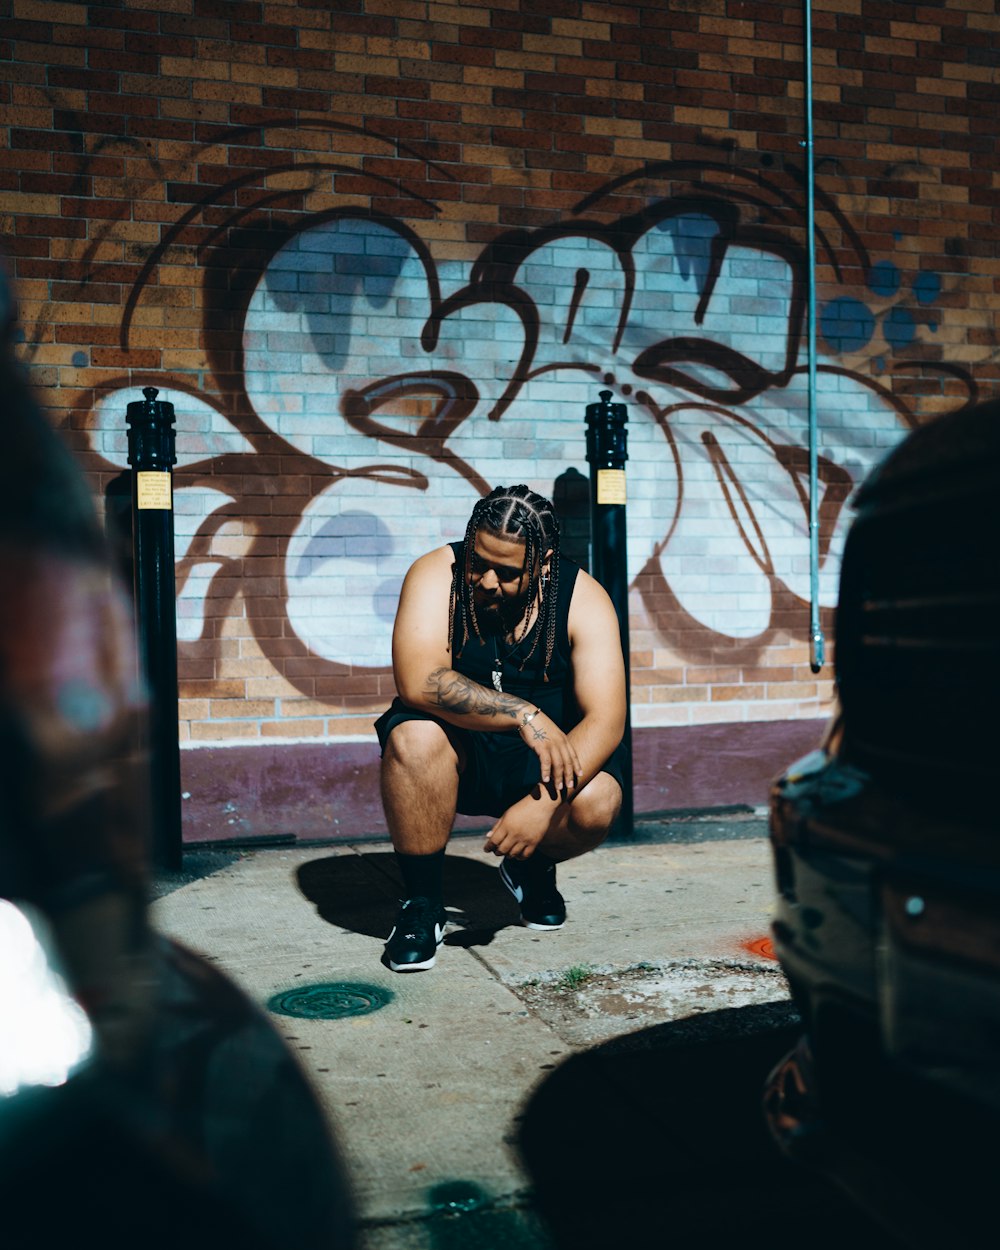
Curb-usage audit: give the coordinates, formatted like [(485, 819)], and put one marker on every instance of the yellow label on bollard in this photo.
[(153, 491), (610, 485)]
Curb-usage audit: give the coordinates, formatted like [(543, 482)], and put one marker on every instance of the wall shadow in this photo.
[(361, 893), (658, 1139)]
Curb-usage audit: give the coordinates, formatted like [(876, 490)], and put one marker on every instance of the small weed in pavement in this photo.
[(573, 977)]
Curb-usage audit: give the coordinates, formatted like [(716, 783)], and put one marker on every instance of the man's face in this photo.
[(499, 581)]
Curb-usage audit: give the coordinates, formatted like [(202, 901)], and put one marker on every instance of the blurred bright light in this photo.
[(44, 1034)]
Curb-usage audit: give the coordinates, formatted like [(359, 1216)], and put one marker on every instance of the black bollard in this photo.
[(151, 456), (606, 442)]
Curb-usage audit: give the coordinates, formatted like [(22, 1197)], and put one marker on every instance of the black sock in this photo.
[(537, 863), (422, 875)]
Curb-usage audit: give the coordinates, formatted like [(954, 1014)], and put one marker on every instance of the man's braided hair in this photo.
[(511, 512)]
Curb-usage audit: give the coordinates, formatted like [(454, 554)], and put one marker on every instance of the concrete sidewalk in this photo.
[(427, 1094)]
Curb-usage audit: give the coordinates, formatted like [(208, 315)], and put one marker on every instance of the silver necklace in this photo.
[(497, 673), (497, 667)]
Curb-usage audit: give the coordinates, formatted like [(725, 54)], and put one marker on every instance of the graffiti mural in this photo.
[(359, 392)]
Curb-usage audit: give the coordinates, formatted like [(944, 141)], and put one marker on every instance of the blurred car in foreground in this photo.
[(144, 1099), (886, 846)]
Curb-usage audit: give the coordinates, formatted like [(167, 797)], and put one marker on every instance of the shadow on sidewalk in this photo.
[(658, 1139), (361, 893)]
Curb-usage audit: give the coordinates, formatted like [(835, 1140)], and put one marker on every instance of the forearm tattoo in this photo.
[(451, 690)]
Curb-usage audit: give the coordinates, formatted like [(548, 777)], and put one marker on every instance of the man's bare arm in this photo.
[(599, 686), (598, 672), (463, 702), (449, 691)]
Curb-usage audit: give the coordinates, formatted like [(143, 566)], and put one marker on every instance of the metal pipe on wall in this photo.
[(817, 642)]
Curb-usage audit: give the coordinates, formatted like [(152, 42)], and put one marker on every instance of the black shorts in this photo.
[(499, 768)]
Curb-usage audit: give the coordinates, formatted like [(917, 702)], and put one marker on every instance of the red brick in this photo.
[(398, 88), (427, 110), (52, 226), (121, 19), (662, 18), (45, 139), (54, 184), (484, 37), (104, 357), (159, 45), (557, 84), (257, 32), (283, 98), (462, 54), (97, 123), (527, 23), (363, 24), (70, 78), (524, 139), (518, 98), (27, 31)]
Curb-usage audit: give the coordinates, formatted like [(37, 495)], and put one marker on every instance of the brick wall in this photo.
[(380, 255)]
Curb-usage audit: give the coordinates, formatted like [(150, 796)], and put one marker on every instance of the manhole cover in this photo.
[(333, 1000)]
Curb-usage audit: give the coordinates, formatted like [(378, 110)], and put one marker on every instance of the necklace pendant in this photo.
[(497, 686)]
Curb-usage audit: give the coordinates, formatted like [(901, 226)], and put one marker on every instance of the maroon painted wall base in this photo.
[(329, 791)]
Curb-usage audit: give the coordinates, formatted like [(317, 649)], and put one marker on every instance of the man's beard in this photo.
[(497, 619)]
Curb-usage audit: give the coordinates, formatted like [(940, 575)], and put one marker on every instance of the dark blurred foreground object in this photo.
[(887, 854), (144, 1100), (654, 1141)]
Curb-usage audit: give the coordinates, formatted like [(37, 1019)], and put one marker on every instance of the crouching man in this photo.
[(511, 703)]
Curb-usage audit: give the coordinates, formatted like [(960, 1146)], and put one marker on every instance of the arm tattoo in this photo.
[(451, 690)]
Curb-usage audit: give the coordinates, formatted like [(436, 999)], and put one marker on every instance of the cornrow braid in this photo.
[(516, 512)]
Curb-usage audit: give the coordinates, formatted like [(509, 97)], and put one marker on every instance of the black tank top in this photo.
[(555, 697)]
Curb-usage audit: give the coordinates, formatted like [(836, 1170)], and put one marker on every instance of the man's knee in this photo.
[(594, 809), (418, 745)]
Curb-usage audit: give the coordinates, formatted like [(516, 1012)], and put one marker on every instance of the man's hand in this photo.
[(520, 829), (560, 764)]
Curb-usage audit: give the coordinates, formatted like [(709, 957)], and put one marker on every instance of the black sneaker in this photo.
[(534, 886), (416, 935)]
